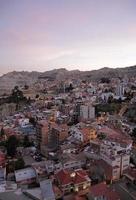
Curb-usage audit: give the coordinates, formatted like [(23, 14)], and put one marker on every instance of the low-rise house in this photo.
[(68, 148), (47, 190), (130, 175), (73, 181), (103, 192), (83, 135), (73, 161), (25, 176), (49, 166), (40, 169)]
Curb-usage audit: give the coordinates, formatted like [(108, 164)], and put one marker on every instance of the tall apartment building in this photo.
[(87, 112), (53, 138), (42, 130), (49, 134), (120, 90), (116, 156)]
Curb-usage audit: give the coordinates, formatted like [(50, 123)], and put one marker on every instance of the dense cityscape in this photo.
[(67, 99), (72, 139)]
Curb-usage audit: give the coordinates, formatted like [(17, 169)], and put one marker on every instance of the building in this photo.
[(77, 180), (49, 134), (73, 161), (130, 176), (87, 112), (25, 176), (47, 190), (83, 134), (116, 156), (53, 139), (120, 90), (40, 169), (42, 130), (102, 192)]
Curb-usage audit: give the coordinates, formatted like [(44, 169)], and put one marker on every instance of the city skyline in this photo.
[(85, 35)]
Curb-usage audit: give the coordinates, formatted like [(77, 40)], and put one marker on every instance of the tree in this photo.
[(19, 164), (2, 132), (110, 99), (105, 80), (101, 136), (32, 121), (12, 144), (134, 133), (17, 95), (37, 96), (26, 142), (26, 87)]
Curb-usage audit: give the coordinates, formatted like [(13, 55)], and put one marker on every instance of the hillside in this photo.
[(9, 80)]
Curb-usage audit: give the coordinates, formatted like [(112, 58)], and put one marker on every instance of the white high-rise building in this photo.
[(120, 90), (87, 112)]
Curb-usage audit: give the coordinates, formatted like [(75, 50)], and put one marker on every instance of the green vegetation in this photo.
[(15, 165), (102, 136), (26, 142), (19, 164), (17, 95), (2, 132), (12, 144), (105, 80), (109, 107), (134, 133), (131, 114), (32, 120)]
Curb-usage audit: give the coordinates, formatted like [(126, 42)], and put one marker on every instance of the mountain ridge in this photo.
[(9, 80)]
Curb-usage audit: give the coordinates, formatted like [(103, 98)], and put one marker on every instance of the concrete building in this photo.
[(76, 180), (115, 156), (53, 138), (120, 90), (42, 130), (47, 190), (87, 112), (83, 134), (102, 192), (25, 176)]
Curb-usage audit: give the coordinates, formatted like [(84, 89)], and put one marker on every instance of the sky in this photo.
[(39, 35)]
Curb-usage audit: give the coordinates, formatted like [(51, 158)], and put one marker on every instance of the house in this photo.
[(73, 161), (68, 148), (130, 175), (84, 134), (40, 169), (25, 176), (103, 192), (76, 180), (47, 190)]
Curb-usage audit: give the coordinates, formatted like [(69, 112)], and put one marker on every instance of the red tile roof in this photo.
[(107, 168), (64, 177), (115, 135), (102, 189)]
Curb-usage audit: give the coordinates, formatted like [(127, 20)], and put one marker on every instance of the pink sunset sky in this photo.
[(75, 34)]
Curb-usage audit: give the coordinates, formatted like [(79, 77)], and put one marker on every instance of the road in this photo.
[(123, 192)]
